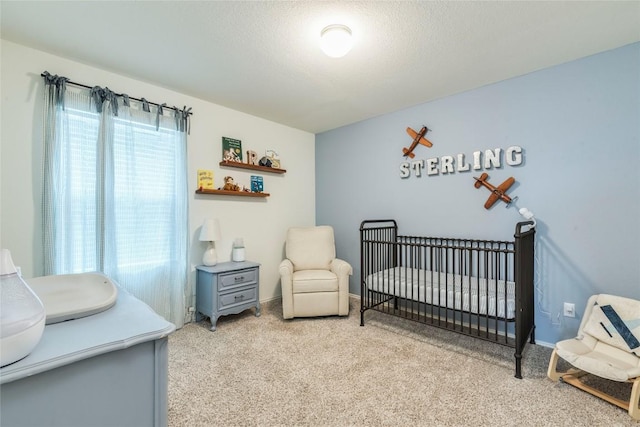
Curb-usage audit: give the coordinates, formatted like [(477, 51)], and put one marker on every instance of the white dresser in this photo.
[(109, 369)]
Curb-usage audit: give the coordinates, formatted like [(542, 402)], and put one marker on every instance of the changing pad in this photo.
[(72, 296)]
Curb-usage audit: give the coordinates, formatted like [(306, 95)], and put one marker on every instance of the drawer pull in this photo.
[(239, 278), (237, 297)]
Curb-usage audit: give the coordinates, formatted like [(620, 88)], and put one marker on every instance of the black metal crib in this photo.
[(480, 288)]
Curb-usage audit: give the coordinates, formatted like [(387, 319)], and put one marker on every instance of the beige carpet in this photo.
[(265, 371)]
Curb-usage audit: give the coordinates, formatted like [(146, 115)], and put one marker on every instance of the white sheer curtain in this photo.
[(115, 194)]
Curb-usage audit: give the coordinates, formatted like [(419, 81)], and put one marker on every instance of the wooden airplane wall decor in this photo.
[(418, 138), (497, 193)]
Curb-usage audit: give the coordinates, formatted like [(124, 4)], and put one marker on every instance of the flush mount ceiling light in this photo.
[(336, 40)]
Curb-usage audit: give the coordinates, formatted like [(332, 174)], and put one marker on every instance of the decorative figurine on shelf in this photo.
[(265, 161), (230, 185), (252, 157)]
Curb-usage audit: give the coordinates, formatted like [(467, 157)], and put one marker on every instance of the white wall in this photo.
[(261, 222)]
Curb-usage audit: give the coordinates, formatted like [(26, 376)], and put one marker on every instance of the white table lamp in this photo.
[(210, 232)]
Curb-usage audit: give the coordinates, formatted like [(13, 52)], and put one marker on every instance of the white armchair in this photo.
[(314, 282)]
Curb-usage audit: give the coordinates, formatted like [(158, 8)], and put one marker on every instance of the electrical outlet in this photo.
[(569, 309)]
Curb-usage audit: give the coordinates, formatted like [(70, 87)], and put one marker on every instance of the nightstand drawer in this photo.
[(233, 299), (237, 278)]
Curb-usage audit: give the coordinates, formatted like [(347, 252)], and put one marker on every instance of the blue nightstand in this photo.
[(227, 288)]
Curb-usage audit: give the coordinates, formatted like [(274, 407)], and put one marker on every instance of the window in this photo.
[(115, 199)]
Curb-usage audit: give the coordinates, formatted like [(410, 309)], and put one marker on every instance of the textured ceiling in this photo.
[(263, 58)]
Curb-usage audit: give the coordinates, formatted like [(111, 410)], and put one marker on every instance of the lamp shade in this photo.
[(210, 231)]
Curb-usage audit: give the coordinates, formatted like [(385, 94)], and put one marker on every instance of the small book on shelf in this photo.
[(231, 150), (274, 157), (205, 179), (257, 184)]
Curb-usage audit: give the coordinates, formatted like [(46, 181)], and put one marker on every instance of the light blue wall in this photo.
[(579, 127)]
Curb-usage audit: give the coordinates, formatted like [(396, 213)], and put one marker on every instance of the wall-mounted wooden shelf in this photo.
[(242, 193), (233, 193), (251, 167)]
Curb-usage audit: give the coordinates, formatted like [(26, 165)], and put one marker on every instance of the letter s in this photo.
[(404, 170)]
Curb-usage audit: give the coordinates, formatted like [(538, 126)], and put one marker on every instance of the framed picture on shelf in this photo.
[(257, 184), (205, 179), (274, 157), (231, 150)]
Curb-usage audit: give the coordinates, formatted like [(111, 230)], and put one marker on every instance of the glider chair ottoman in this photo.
[(314, 282), (607, 345)]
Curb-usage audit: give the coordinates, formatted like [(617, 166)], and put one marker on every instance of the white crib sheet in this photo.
[(452, 291)]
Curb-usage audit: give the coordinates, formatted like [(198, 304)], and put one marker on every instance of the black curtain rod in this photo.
[(189, 113)]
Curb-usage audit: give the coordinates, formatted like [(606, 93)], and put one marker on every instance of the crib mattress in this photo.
[(454, 291)]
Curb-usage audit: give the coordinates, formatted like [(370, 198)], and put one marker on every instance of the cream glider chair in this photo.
[(607, 345), (314, 282)]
